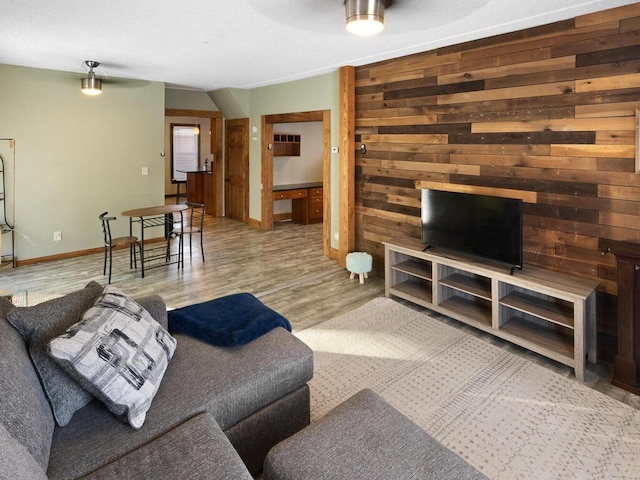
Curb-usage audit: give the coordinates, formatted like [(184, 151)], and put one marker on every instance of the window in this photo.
[(185, 150)]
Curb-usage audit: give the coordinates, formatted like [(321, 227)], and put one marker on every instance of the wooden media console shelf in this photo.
[(550, 313)]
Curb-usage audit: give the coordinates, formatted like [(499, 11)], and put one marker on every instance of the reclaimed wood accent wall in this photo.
[(550, 110)]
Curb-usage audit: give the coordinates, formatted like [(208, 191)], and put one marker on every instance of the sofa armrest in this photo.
[(154, 304), (16, 462), (196, 449)]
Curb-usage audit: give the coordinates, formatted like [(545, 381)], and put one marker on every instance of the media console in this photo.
[(549, 313)]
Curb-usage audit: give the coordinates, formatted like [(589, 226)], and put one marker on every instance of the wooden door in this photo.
[(236, 177)]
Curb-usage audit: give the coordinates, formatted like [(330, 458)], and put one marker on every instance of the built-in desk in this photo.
[(306, 201)]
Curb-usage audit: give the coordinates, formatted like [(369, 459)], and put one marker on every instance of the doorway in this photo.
[(215, 149), (268, 122)]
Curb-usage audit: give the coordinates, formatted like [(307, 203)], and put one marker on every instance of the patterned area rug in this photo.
[(508, 417)]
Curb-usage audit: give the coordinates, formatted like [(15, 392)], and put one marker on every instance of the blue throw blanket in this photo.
[(227, 321)]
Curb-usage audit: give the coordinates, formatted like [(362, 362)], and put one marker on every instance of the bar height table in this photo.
[(149, 217)]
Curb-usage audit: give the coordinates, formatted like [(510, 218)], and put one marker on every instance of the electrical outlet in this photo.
[(336, 236), (145, 170), (57, 236)]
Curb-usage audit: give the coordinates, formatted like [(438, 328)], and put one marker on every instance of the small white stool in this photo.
[(360, 263)]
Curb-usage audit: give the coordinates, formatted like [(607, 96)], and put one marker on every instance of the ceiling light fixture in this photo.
[(91, 85), (365, 17)]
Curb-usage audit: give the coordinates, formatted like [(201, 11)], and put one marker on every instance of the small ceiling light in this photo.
[(365, 17), (91, 85)]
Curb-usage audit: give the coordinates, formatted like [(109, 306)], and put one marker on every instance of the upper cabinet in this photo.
[(286, 145)]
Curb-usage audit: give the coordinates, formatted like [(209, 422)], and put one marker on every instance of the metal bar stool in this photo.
[(179, 183), (110, 243)]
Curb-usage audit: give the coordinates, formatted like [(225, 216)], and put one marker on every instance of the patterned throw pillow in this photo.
[(119, 353)]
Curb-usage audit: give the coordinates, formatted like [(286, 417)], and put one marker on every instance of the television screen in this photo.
[(479, 225)]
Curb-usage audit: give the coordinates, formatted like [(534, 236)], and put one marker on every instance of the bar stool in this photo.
[(179, 183), (112, 242)]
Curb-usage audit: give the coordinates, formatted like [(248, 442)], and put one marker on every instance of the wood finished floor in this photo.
[(285, 268)]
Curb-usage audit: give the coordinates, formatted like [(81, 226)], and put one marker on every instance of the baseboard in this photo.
[(252, 222), (77, 253)]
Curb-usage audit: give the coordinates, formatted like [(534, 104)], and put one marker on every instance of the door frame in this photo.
[(267, 122), (241, 122), (216, 147)]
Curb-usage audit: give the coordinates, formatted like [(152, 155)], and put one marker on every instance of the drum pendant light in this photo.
[(365, 17), (91, 85)]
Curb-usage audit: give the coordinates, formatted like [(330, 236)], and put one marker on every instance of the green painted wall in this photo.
[(77, 156), (233, 102), (188, 100)]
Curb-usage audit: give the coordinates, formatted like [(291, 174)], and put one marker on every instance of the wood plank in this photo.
[(408, 120), (558, 88), (430, 91), (570, 74), (631, 80), (619, 192), (599, 203), (616, 137), (525, 138), (521, 68), (608, 151), (412, 63), (529, 197), (565, 34), (563, 124), (431, 167), (531, 161), (392, 216), (599, 55), (611, 15), (422, 138), (617, 109)]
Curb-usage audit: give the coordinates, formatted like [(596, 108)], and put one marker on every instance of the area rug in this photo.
[(508, 417)]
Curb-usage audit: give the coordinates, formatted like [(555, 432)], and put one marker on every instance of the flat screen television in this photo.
[(479, 225)]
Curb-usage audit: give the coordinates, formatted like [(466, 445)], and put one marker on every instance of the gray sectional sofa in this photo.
[(216, 414)]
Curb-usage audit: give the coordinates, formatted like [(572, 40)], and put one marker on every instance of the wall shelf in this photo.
[(286, 145), (550, 313)]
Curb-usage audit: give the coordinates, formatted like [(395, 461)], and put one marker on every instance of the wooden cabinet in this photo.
[(550, 313), (195, 187), (306, 201), (290, 194), (626, 367), (315, 205), (286, 145)]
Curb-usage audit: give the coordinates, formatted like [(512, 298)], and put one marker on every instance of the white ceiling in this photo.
[(211, 44)]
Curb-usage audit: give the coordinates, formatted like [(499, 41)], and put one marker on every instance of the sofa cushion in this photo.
[(16, 462), (24, 410), (154, 304), (118, 352), (230, 383), (361, 439), (41, 323), (195, 450)]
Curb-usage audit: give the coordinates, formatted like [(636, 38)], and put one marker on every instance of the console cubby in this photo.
[(412, 278), (550, 313), (465, 293)]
